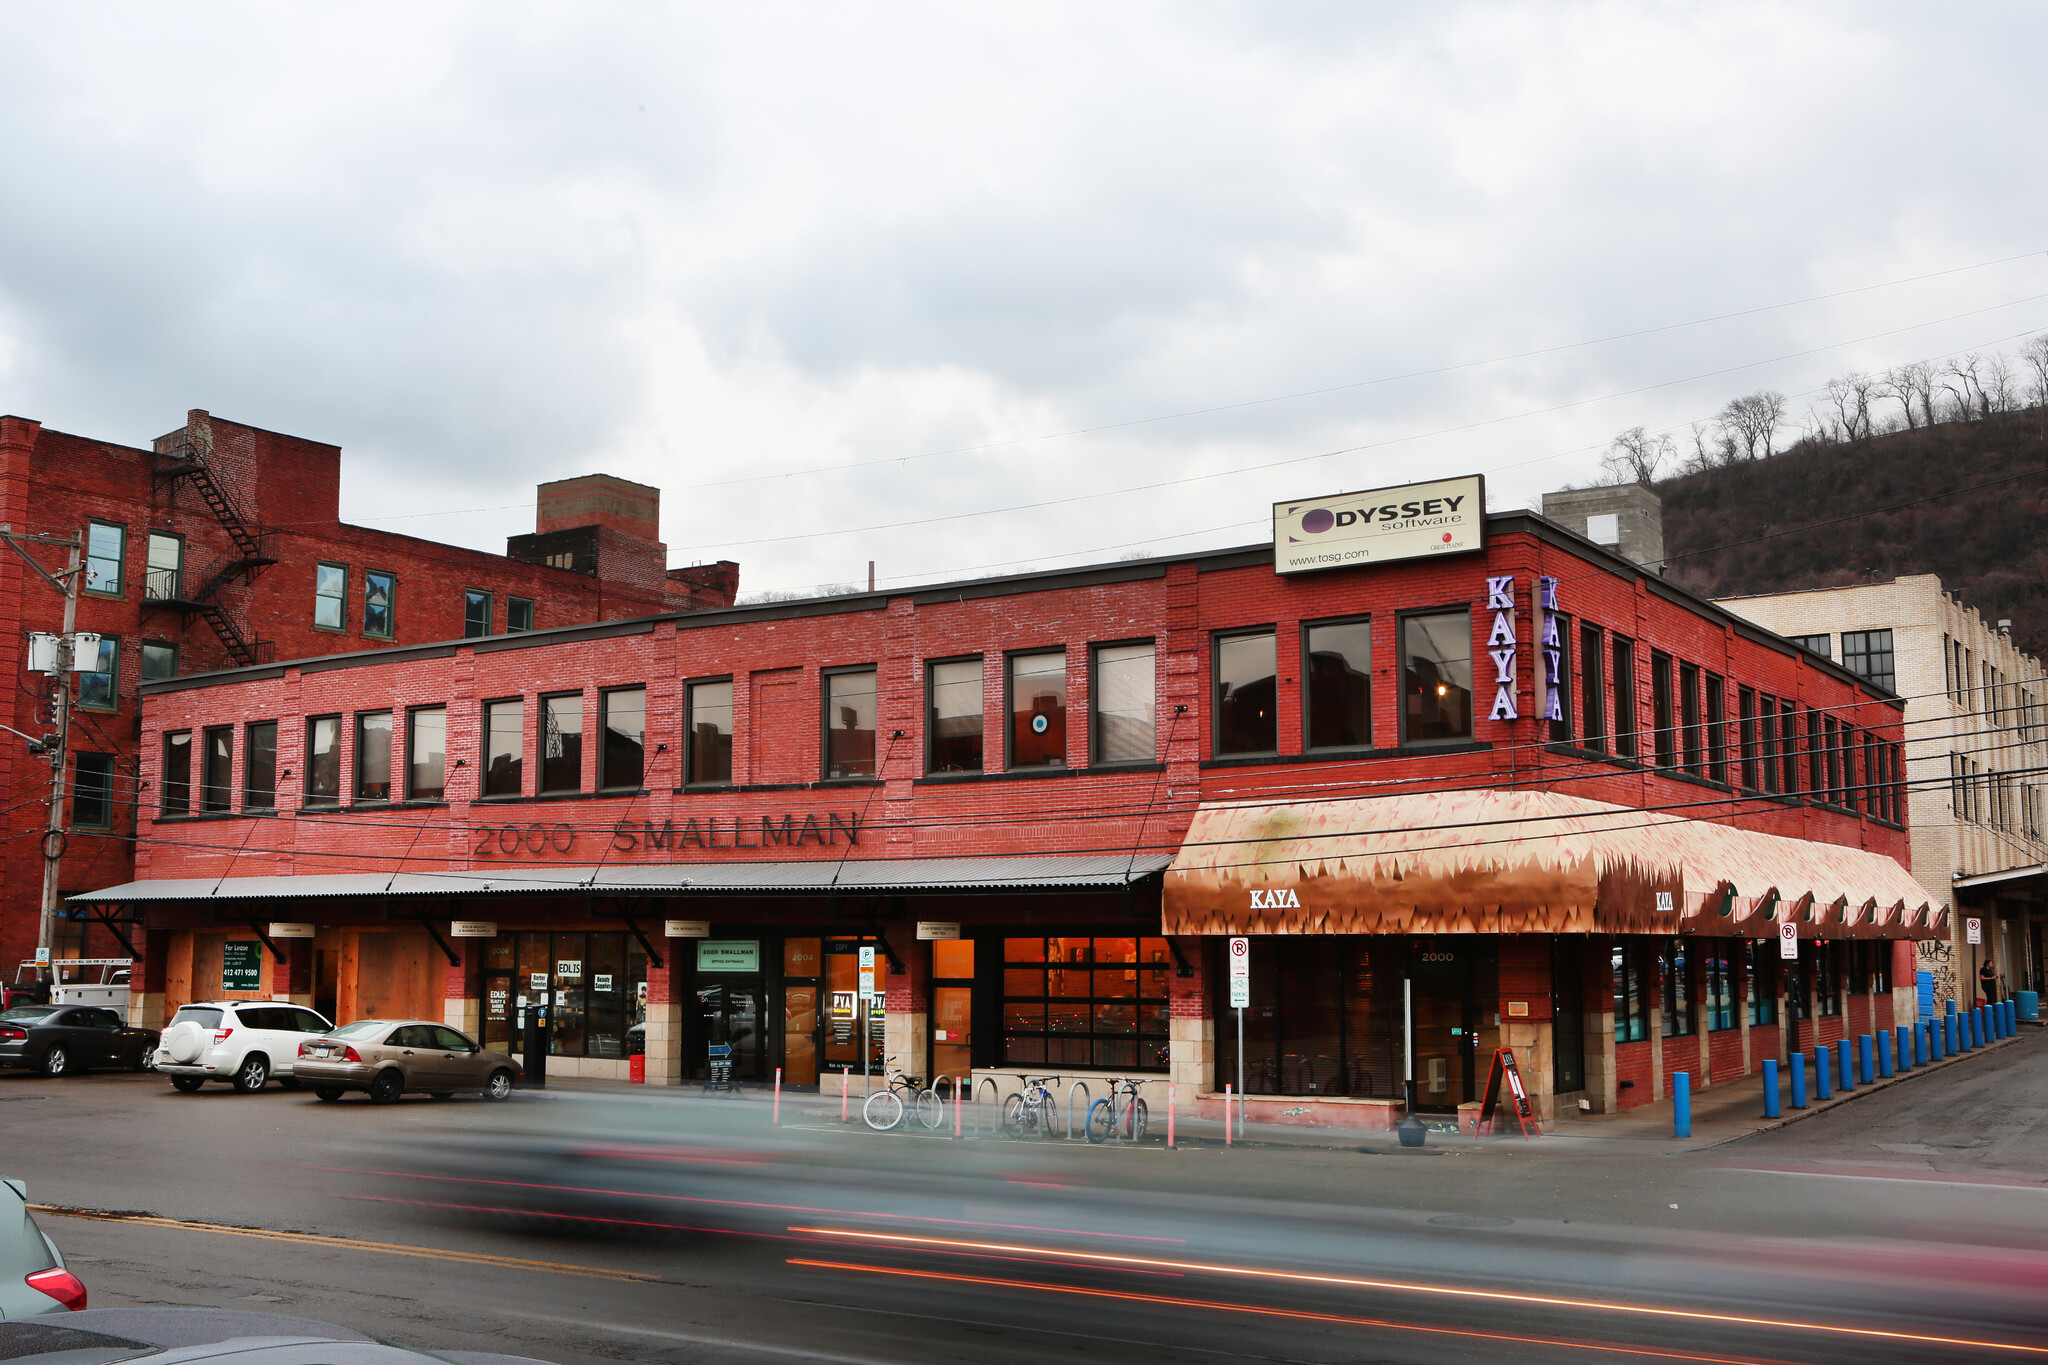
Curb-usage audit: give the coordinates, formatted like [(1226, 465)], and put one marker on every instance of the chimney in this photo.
[(1627, 518)]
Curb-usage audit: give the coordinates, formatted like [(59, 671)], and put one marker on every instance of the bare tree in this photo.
[(1852, 395), (2034, 355), (1751, 423), (1963, 380), (2001, 384), (1910, 383), (1634, 456)]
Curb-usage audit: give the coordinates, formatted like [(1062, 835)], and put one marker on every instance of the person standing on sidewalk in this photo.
[(1987, 978)]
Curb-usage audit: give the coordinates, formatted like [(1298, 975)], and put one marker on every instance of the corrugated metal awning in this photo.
[(1523, 862), (855, 875)]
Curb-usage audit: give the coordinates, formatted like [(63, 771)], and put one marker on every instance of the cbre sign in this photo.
[(1446, 516)]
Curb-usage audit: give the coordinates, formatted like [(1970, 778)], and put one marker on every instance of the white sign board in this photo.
[(1240, 973), (931, 929), (291, 930), (1666, 903), (1788, 940), (472, 928), (686, 928), (1975, 929), (867, 971), (1446, 516)]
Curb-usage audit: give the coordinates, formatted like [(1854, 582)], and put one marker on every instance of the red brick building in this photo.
[(1046, 801), (221, 546)]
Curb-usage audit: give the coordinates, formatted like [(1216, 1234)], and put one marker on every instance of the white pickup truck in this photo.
[(76, 981)]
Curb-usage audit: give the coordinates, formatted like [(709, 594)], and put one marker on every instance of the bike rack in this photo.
[(995, 1093), (1081, 1086)]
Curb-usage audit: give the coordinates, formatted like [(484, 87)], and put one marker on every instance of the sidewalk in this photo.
[(1720, 1114)]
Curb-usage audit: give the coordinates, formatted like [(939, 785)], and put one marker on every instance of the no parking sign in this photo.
[(1788, 940), (1240, 973)]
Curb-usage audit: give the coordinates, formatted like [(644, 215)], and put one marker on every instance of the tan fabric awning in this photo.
[(1520, 862)]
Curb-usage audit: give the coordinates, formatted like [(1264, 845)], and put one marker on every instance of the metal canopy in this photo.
[(1110, 872)]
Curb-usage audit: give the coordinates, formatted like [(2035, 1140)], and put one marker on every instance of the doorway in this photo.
[(1456, 1020), (729, 1013), (952, 1008), (1567, 1014)]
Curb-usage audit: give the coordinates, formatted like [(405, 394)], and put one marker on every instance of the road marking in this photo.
[(342, 1243), (1256, 1310), (897, 1240), (695, 1339), (1935, 1179)]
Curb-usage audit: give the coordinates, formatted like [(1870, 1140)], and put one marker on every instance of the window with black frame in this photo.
[(561, 742), (1665, 731), (1717, 729), (1869, 653), (953, 716), (1674, 971), (1689, 717), (1337, 683), (1767, 732), (1631, 998), (1085, 1002), (1718, 969), (1624, 697), (259, 765), (476, 614), (1827, 979), (1881, 967), (1038, 709), (849, 724), (1561, 727), (426, 753), (1745, 705), (92, 791), (1592, 689), (504, 746), (1761, 981), (707, 733), (1798, 979), (323, 761), (380, 592), (217, 769), (373, 756), (1124, 696), (1247, 710), (1436, 677), (622, 758)]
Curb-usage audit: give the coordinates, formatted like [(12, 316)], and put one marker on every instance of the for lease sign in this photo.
[(1447, 516)]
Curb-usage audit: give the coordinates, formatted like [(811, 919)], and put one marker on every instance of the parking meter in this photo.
[(536, 1059)]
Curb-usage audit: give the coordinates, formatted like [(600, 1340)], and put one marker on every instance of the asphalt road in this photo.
[(1911, 1225)]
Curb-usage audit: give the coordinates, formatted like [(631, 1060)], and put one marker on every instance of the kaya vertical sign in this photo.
[(1447, 516)]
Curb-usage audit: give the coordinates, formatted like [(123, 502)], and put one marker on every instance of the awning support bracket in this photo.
[(869, 912), (1181, 966), (426, 923), (113, 927), (256, 928), (629, 911)]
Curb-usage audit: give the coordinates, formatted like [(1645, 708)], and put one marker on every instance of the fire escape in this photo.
[(183, 459)]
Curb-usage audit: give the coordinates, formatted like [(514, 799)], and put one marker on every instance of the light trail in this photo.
[(1405, 1287), (1257, 1310)]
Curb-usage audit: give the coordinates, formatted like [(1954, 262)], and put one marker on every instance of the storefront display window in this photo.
[(1325, 1019), (1763, 981), (1675, 969), (1827, 979), (1718, 968), (593, 984), (1631, 1000), (1085, 1002)]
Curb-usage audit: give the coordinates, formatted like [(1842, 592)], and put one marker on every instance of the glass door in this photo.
[(729, 1013), (952, 1008), (800, 1014), (1567, 1014), (1457, 1024)]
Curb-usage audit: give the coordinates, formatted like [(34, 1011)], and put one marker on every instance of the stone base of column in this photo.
[(664, 1037)]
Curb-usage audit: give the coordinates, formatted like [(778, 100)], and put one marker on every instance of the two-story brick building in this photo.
[(220, 545), (1528, 796)]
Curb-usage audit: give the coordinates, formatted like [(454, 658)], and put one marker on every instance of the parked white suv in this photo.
[(242, 1041)]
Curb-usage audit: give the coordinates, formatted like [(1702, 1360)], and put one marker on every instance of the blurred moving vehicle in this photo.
[(244, 1042), (388, 1057), (73, 981), (108, 1336), (33, 1280), (59, 1039)]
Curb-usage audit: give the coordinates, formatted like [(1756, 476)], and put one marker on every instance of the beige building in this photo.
[(1976, 758)]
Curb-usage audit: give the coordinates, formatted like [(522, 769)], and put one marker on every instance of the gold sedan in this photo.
[(388, 1057)]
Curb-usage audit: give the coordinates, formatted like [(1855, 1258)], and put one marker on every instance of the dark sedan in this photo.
[(59, 1039)]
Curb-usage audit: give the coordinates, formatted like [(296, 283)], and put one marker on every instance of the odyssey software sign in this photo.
[(1447, 516)]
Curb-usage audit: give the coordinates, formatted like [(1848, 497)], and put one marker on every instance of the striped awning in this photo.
[(1520, 862)]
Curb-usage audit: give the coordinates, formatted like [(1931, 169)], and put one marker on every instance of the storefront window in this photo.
[(1762, 981), (1324, 1018), (593, 985), (1675, 970), (1085, 1002), (1718, 969), (1827, 979), (1436, 666), (1631, 1001)]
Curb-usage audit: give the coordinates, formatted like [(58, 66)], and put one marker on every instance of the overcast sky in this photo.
[(854, 282)]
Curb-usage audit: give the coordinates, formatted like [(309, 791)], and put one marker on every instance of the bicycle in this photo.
[(1034, 1109), (885, 1108), (1108, 1119)]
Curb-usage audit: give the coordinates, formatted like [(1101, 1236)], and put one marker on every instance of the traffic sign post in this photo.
[(1240, 996), (867, 989)]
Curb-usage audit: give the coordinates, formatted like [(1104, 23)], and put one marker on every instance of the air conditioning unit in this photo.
[(42, 652), (85, 652)]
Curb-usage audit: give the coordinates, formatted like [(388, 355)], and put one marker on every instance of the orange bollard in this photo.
[(778, 1097)]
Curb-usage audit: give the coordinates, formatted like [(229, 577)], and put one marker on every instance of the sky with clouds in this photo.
[(970, 289)]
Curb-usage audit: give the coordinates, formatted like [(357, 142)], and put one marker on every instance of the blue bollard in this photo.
[(1972, 1039), (2012, 1018), (1923, 1042), (1823, 1072), (1770, 1087), (1848, 1065), (1963, 1038), (1884, 1055), (1987, 1027), (1976, 1022), (1865, 1063), (1947, 1038), (1906, 1062), (1681, 1104), (1798, 1080), (1993, 1025), (2005, 1018), (1951, 1006)]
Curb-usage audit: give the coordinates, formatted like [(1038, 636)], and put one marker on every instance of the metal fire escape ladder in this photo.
[(254, 551)]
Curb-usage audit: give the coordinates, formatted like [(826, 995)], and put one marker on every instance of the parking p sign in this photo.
[(1788, 940), (1240, 973)]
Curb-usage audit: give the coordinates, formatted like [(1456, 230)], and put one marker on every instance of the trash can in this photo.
[(2029, 1003)]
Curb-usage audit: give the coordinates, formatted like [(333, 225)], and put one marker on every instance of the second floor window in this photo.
[(380, 620), (92, 791), (1337, 677), (259, 765), (476, 614), (177, 793), (426, 754), (330, 596), (1125, 687), (622, 760), (323, 761), (1247, 694), (373, 756), (850, 723), (1436, 669), (518, 616), (504, 747), (99, 686), (1869, 652), (1665, 738), (1038, 709), (1689, 716), (1717, 729), (561, 742), (105, 545), (1592, 689), (162, 578), (159, 661), (953, 717), (1624, 697), (217, 770), (708, 733)]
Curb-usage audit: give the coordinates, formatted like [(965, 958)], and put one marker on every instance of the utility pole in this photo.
[(54, 833)]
